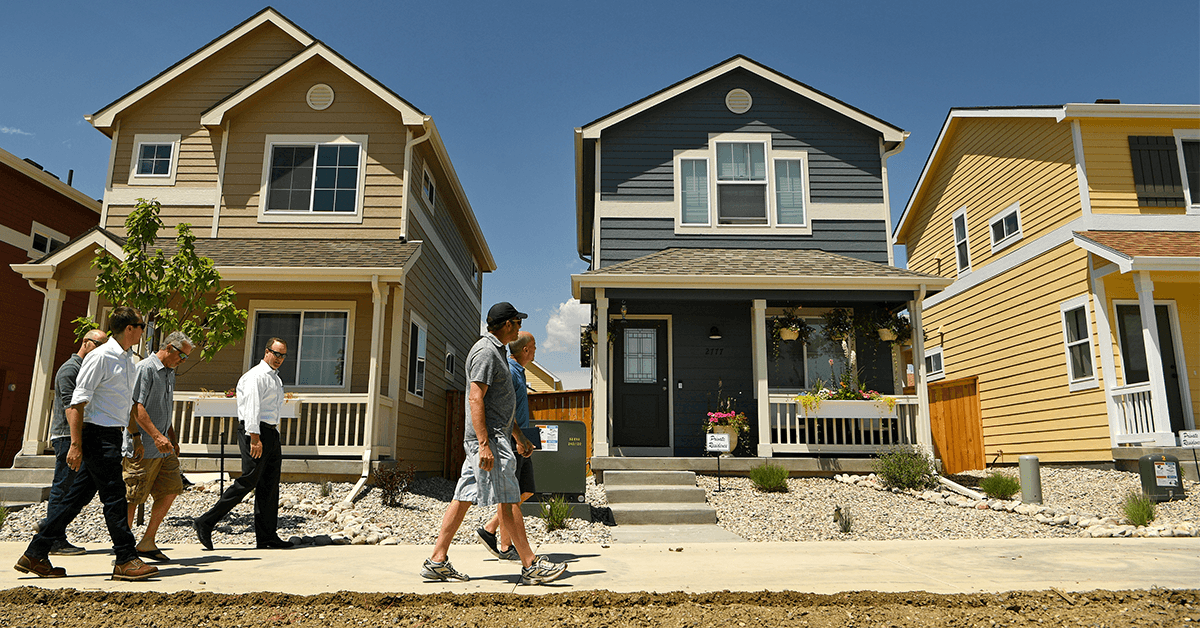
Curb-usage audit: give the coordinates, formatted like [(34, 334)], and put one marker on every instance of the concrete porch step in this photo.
[(649, 478), (33, 462), (632, 493), (663, 514), (27, 476), (23, 493)]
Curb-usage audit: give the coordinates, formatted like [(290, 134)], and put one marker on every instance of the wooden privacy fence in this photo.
[(956, 423)]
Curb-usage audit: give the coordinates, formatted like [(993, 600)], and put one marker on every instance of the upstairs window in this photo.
[(317, 178), (1006, 227), (1188, 148), (154, 160), (428, 189), (417, 339), (741, 183), (44, 240), (962, 251), (1077, 342), (693, 191)]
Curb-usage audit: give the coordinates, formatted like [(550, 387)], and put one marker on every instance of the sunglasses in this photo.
[(138, 325), (277, 354), (94, 342), (182, 355)]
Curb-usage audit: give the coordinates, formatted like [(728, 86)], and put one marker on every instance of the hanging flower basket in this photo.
[(886, 334), (789, 334)]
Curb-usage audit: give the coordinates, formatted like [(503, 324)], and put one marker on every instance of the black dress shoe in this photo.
[(204, 533), (275, 544)]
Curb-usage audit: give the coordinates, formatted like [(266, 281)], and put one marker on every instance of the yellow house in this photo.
[(541, 380), (330, 204), (1072, 234)]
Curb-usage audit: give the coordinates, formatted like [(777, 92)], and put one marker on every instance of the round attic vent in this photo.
[(319, 96), (738, 100)]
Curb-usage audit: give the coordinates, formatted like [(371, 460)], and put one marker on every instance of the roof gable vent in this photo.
[(319, 96), (738, 100)]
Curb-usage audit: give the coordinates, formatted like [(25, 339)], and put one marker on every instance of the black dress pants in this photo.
[(260, 475)]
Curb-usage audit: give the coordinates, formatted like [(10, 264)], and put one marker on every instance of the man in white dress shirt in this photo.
[(259, 400)]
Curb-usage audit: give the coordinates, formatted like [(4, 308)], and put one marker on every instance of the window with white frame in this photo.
[(1006, 227), (428, 189), (154, 160), (417, 339), (1077, 342), (43, 240), (962, 252), (451, 360), (313, 178), (934, 368), (1188, 148), (741, 182), (317, 345)]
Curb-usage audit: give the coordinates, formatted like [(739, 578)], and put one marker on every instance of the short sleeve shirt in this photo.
[(64, 387), (521, 390), (154, 389), (488, 365)]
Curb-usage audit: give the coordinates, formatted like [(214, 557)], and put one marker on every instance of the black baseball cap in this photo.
[(502, 312)]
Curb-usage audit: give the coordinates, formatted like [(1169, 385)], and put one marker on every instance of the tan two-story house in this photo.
[(329, 203)]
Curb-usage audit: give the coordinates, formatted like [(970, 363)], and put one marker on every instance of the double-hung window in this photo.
[(962, 251), (934, 367), (428, 189), (1006, 227), (313, 178), (317, 343), (154, 160), (1188, 148), (418, 339), (1077, 342), (741, 184)]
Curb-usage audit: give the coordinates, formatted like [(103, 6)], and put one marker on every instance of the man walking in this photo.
[(99, 410), (520, 354), (489, 471), (154, 469), (60, 435), (259, 400)]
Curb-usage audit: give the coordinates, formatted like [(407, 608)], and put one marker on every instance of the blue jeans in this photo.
[(64, 477), (100, 473)]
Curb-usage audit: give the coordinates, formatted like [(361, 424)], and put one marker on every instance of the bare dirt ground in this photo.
[(29, 606)]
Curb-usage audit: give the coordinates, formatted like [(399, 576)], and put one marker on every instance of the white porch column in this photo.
[(600, 392), (1158, 384), (759, 352), (924, 430), (37, 417), (1104, 335), (379, 298)]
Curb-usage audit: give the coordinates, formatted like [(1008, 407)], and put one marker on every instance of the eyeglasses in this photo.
[(517, 321), (94, 342), (138, 325), (277, 354), (182, 355)]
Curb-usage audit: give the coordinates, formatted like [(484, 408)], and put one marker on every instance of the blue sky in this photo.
[(507, 82)]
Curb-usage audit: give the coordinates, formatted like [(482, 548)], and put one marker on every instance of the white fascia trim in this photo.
[(216, 115), (300, 274), (1123, 262), (468, 213), (44, 178), (105, 117), (729, 282), (890, 133), (1094, 110), (201, 197), (1181, 264), (47, 268)]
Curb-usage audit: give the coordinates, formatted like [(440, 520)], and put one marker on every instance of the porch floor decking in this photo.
[(797, 467)]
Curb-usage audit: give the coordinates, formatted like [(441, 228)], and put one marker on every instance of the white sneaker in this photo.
[(542, 571)]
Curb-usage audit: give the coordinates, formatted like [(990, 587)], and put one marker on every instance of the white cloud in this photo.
[(562, 330), (7, 130), (576, 379)]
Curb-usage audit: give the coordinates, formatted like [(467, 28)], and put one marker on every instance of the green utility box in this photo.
[(560, 466), (1162, 477)]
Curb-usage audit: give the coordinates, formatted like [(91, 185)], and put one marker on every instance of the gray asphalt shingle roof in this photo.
[(300, 253), (753, 262)]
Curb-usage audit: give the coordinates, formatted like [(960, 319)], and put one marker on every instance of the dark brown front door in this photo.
[(1133, 355), (640, 388)]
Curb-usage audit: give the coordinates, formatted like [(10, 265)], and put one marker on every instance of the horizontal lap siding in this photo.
[(176, 109), (1008, 333), (1109, 168), (986, 166), (282, 110), (448, 229), (624, 239)]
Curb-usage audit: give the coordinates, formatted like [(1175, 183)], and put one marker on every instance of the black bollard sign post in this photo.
[(720, 444)]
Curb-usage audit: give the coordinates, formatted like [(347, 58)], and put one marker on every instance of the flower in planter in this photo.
[(736, 420), (846, 387)]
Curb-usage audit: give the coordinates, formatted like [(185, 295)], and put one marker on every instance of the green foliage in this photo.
[(1139, 509), (3, 515), (905, 467), (769, 478), (179, 293), (844, 519), (393, 482), (326, 489), (999, 486), (839, 323), (555, 512)]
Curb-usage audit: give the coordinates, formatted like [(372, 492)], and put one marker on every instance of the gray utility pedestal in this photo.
[(657, 498)]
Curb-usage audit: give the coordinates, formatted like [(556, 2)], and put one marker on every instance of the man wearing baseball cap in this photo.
[(489, 476)]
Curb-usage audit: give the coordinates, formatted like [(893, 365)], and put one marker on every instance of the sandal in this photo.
[(154, 554)]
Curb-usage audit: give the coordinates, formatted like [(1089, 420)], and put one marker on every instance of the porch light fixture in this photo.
[(714, 333), (624, 311)]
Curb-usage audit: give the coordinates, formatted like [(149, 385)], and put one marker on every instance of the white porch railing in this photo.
[(311, 425), (841, 426), (1134, 422)]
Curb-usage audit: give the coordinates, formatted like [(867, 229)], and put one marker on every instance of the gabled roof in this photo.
[(1059, 113), (1144, 250), (890, 133), (104, 118)]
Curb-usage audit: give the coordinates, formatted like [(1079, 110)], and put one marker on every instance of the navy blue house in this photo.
[(708, 210)]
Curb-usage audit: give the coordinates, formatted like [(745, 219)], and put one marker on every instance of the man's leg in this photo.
[(158, 512), (509, 529), (103, 453), (451, 521), (64, 477), (238, 489), (63, 512), (266, 493)]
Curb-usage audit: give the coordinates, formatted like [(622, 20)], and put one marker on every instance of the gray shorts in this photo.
[(489, 488)]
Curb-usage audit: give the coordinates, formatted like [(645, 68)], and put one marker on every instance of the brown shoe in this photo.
[(134, 570), (38, 567)]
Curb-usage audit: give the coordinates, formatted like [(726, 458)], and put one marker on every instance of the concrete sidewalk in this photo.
[(990, 565)]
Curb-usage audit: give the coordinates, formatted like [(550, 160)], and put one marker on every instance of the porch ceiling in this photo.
[(751, 269)]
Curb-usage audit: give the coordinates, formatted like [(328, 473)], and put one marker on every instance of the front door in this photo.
[(1133, 356), (641, 414)]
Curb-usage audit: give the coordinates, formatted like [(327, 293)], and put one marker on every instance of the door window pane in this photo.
[(640, 358)]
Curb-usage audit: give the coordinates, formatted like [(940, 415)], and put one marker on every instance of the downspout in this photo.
[(925, 429), (887, 199), (378, 297), (408, 170)]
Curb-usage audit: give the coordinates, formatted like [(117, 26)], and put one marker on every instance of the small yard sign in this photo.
[(1189, 439), (717, 442)]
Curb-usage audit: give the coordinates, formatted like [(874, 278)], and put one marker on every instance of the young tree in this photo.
[(172, 293)]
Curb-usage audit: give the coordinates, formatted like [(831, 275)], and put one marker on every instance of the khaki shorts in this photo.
[(151, 476)]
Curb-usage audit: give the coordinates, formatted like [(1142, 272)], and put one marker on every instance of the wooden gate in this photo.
[(956, 423), (456, 424)]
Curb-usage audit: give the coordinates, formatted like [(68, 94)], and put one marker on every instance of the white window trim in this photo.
[(933, 376), (52, 234), (154, 179), (1009, 239), (771, 154), (306, 216), (1085, 383), (1191, 198), (257, 306), (426, 198), (961, 272), (452, 357), (416, 400)]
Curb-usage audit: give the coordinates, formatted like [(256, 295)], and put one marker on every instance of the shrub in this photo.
[(3, 515), (1138, 508), (999, 486), (906, 468), (326, 489), (555, 512), (393, 482), (844, 519), (769, 478)]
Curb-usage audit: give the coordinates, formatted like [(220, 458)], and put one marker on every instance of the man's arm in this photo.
[(161, 442), (249, 406), (75, 421), (479, 423), (64, 383)]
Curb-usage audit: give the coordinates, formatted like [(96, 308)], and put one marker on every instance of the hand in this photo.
[(256, 449), (525, 447), (163, 444), (138, 451), (175, 447), (75, 456), (486, 459)]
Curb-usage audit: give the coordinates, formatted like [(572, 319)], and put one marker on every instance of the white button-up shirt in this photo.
[(105, 383), (259, 397)]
